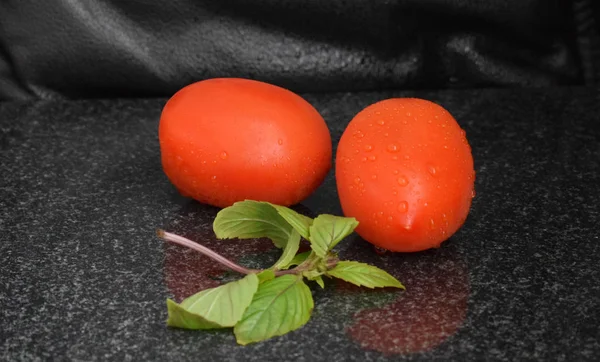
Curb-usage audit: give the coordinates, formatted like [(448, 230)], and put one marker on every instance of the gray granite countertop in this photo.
[(83, 276)]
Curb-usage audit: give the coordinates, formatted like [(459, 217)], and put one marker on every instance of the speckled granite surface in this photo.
[(83, 277)]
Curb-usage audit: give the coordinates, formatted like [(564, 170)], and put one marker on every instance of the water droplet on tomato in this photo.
[(431, 169), (358, 134), (402, 181), (408, 114), (214, 177), (368, 148), (380, 214), (372, 158), (357, 180), (381, 122), (223, 155), (386, 134), (392, 148), (403, 206), (431, 224), (473, 193), (374, 177), (280, 141), (390, 219), (364, 159)]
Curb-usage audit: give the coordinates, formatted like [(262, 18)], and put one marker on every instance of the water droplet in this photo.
[(407, 227), (380, 214), (473, 193), (364, 159), (426, 204), (357, 180), (392, 148), (408, 114), (390, 218), (280, 141), (431, 169), (402, 181), (380, 250), (395, 172), (372, 158), (395, 193), (223, 155), (403, 206), (386, 134), (214, 177), (374, 177), (381, 122), (214, 161), (347, 159), (368, 148), (358, 134), (431, 224), (394, 158)]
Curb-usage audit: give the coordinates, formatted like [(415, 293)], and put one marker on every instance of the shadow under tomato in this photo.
[(432, 309)]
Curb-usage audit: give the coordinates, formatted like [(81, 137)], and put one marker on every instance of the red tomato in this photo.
[(404, 170), (225, 140)]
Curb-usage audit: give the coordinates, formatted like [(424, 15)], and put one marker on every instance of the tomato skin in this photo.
[(404, 170), (225, 140)]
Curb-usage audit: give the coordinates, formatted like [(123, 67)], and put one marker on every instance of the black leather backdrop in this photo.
[(117, 48)]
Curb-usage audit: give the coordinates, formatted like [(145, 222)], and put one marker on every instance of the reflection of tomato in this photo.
[(226, 140), (404, 170), (432, 309)]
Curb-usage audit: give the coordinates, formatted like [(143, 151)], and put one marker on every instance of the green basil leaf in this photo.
[(298, 221), (363, 275), (265, 275), (181, 318), (297, 260), (252, 219), (320, 281), (328, 230), (290, 250), (279, 306), (224, 305)]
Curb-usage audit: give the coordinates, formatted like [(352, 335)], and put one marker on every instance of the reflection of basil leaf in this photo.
[(279, 306)]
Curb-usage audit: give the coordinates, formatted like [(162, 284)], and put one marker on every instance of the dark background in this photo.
[(143, 48)]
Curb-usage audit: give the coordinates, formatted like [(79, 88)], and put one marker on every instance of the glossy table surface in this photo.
[(83, 276)]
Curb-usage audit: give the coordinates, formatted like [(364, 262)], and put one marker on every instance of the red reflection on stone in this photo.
[(432, 309)]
